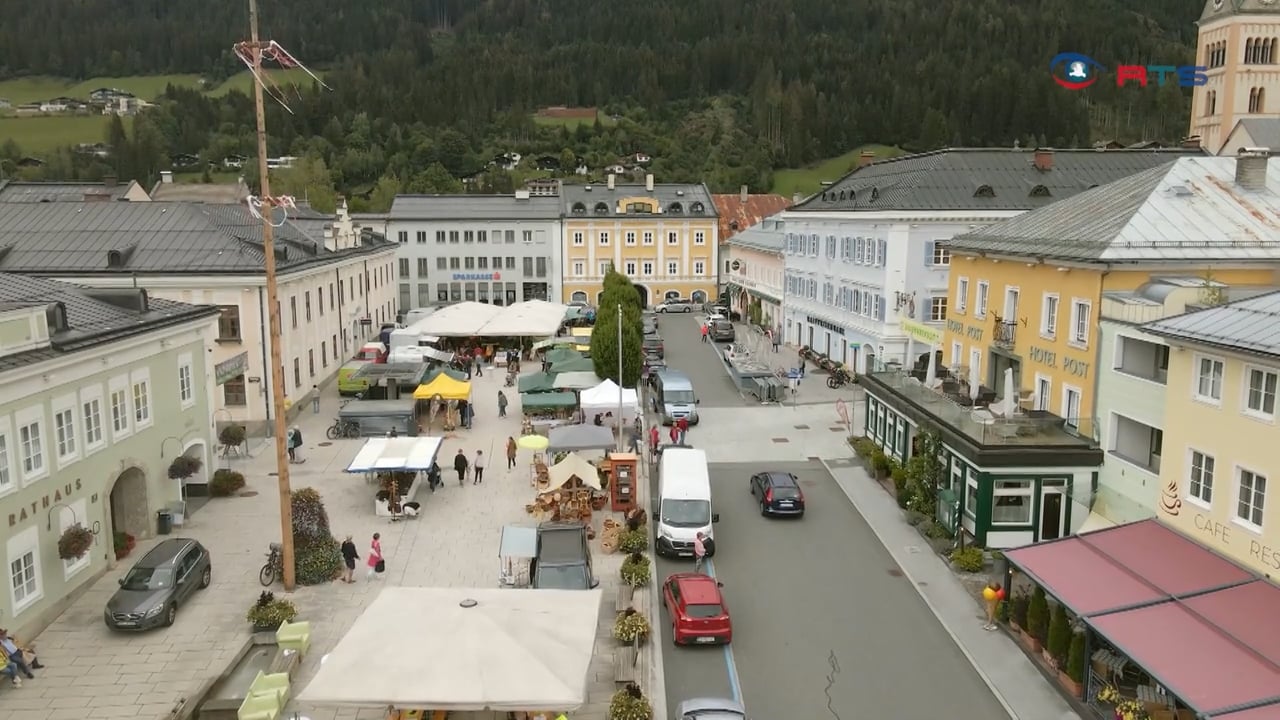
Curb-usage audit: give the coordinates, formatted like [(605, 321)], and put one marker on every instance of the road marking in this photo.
[(735, 685)]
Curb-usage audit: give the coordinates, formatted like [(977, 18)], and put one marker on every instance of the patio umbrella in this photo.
[(931, 375), (1010, 402), (974, 386), (533, 442)]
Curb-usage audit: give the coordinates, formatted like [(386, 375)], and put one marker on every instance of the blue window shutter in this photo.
[(880, 258), (881, 313), (928, 253)]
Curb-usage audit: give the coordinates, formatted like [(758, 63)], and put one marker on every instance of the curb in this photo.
[(928, 603), (657, 677)]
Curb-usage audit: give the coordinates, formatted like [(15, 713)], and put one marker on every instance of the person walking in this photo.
[(376, 564), (674, 433), (683, 426), (433, 476), (777, 338), (290, 447), (349, 558), (479, 364), (653, 441), (478, 465), (704, 332), (502, 404), (511, 452), (460, 464), (699, 552)]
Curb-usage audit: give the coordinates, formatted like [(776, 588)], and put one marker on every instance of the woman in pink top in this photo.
[(375, 556)]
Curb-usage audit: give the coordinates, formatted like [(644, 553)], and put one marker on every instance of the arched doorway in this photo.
[(128, 500), (197, 484), (578, 296), (699, 297), (644, 295), (671, 295)]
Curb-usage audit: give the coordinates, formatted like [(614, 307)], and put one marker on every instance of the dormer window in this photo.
[(841, 195), (579, 209), (875, 194), (1040, 191), (675, 208), (697, 208), (601, 209), (639, 208), (984, 191)]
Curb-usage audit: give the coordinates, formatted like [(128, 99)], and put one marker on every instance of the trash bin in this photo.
[(164, 522), (179, 511)]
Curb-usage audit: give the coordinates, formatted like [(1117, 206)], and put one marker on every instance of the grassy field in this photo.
[(37, 135), (808, 180), (34, 89)]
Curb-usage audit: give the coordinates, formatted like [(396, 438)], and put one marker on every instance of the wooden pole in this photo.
[(273, 313)]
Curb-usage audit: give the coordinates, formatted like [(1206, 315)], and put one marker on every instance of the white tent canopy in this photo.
[(579, 380), (604, 398), (396, 454), (462, 319), (573, 465), (424, 648), (531, 318)]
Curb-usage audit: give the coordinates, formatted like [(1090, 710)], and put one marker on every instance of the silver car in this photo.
[(674, 306), (711, 709)]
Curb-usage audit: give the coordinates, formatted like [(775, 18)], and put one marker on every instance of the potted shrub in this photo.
[(1073, 679), (1018, 610), (969, 559), (635, 570), (226, 483), (633, 541), (630, 704), (1037, 628), (184, 467), (1059, 640), (631, 626), (902, 490), (123, 543), (231, 436), (75, 542), (269, 611)]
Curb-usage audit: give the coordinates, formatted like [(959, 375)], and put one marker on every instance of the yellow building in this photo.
[(665, 237), (1239, 44), (1220, 430), (1012, 392)]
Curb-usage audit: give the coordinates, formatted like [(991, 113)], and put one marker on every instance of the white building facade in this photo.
[(754, 272), (499, 249)]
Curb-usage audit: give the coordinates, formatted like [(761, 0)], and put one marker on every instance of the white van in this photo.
[(684, 502)]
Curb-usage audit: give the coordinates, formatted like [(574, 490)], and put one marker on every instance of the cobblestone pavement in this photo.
[(94, 673)]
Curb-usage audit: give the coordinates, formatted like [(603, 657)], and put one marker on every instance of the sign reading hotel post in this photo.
[(230, 368), (922, 333)]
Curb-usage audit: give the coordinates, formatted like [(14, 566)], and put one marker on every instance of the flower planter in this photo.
[(265, 627), (1073, 688), (1049, 660), (1028, 641)]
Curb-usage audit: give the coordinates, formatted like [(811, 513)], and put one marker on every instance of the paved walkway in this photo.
[(94, 673)]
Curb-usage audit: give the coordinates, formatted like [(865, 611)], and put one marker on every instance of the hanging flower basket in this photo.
[(75, 542), (184, 467)]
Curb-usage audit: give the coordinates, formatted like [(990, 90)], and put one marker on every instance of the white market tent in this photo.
[(531, 318), (572, 466), (578, 380), (463, 649), (396, 454), (462, 319), (604, 398)]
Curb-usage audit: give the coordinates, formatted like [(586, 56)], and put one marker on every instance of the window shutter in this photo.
[(880, 307), (928, 253), (880, 252)]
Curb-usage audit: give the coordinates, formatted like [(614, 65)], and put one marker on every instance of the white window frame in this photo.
[(673, 268), (673, 238), (604, 237), (1196, 377), (970, 488), (962, 294), (68, 515), (1077, 339), (934, 302), (604, 267), (646, 267), (62, 437), (630, 237), (1012, 296), (1208, 469), (1067, 392), (8, 468), (699, 267), (579, 268), (1261, 508), (578, 238), (18, 547), (89, 395), (1029, 493), (957, 354), (629, 267), (699, 237), (1049, 316), (27, 417), (941, 255), (648, 237), (187, 379), (982, 300), (120, 384), (143, 413), (1247, 385)]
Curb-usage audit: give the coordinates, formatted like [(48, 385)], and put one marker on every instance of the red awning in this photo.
[(1191, 657), (1246, 613), (1123, 567), (1264, 712)]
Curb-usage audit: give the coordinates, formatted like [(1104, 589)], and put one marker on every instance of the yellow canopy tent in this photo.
[(444, 386)]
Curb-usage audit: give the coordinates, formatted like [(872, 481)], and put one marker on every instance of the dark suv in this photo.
[(778, 494), (166, 577), (652, 345), (721, 331), (563, 561)]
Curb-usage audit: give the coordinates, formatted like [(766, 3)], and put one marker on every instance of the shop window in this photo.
[(1012, 504)]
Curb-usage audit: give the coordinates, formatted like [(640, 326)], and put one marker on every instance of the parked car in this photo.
[(563, 560), (674, 306), (652, 364), (721, 309), (711, 709), (652, 345), (721, 330), (778, 493), (698, 612), (153, 589), (649, 322)]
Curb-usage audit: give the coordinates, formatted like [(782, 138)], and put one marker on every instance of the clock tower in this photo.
[(1239, 41)]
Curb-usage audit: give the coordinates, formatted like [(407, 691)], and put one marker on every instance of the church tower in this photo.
[(1239, 41)]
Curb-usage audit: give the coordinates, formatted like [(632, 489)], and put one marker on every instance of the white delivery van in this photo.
[(684, 502)]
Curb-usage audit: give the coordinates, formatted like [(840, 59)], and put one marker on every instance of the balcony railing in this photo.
[(1005, 333)]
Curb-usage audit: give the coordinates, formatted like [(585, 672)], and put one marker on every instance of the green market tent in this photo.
[(556, 355), (547, 400), (577, 364), (439, 370), (537, 382)]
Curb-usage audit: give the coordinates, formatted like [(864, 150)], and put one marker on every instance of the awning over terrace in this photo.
[(1197, 623)]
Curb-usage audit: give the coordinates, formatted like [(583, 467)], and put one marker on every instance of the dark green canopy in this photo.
[(577, 364), (544, 400), (439, 370), (555, 355), (537, 382)]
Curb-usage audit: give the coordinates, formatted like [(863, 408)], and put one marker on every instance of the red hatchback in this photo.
[(698, 612)]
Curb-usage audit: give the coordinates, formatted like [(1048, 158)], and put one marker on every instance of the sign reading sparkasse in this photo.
[(477, 276)]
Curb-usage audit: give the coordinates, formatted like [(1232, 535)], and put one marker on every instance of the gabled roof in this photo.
[(15, 191), (1250, 326), (1188, 209), (91, 319), (737, 214), (763, 237), (152, 238), (474, 207), (1219, 9), (980, 179), (666, 195), (1264, 132), (213, 193)]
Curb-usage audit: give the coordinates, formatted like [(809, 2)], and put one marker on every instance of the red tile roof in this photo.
[(736, 215)]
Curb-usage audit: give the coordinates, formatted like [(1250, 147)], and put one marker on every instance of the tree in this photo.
[(618, 290), (384, 193), (1059, 635), (308, 180), (1038, 615), (436, 179)]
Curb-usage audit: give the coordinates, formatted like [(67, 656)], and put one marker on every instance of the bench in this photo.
[(624, 664), (626, 594)]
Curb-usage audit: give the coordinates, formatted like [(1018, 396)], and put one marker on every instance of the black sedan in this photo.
[(778, 494)]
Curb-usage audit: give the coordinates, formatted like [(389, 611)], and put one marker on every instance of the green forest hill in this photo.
[(723, 91)]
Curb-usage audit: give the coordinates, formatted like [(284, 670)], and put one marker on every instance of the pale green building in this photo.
[(99, 391)]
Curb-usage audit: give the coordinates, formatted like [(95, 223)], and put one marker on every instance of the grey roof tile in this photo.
[(1188, 209), (154, 237), (760, 238), (42, 192), (91, 319), (586, 201), (1251, 325), (950, 179), (1265, 132), (474, 207)]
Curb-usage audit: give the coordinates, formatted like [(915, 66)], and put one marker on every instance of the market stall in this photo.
[(436, 371), (446, 396), (560, 354), (568, 491), (531, 318), (391, 380), (376, 418), (574, 364), (580, 380), (536, 382), (397, 465), (460, 649), (607, 396), (581, 339), (545, 410), (571, 438), (464, 319), (516, 551)]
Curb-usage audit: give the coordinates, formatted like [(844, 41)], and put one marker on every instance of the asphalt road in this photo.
[(681, 334), (819, 607)]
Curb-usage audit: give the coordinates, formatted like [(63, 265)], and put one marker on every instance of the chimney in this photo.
[(648, 182), (1191, 143), (166, 177), (866, 158), (109, 181), (1251, 168), (1043, 160), (610, 181), (796, 198), (745, 194), (524, 195)]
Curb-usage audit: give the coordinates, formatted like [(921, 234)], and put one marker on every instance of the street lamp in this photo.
[(620, 393)]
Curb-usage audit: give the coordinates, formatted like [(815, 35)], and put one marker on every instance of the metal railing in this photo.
[(1005, 333)]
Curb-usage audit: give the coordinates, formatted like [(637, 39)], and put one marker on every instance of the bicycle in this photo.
[(343, 428), (274, 567)]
